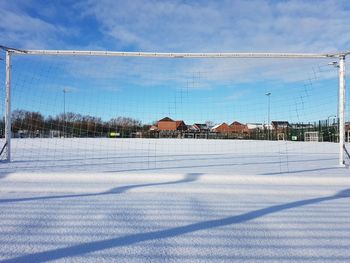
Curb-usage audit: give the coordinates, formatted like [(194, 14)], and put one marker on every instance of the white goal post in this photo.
[(341, 56)]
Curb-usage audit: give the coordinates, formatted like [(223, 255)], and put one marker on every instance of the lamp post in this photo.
[(64, 111), (268, 114)]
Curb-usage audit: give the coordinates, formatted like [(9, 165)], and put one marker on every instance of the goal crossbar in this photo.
[(175, 54)]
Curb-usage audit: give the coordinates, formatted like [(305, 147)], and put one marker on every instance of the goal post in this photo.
[(342, 109), (7, 145), (233, 55)]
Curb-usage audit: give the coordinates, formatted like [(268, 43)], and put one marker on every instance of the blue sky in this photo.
[(193, 90)]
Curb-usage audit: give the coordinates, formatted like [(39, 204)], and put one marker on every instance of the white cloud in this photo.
[(300, 26), (175, 25), (20, 29), (224, 25)]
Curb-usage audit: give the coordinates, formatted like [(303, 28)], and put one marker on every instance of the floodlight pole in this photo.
[(341, 110), (268, 116), (8, 107), (64, 113)]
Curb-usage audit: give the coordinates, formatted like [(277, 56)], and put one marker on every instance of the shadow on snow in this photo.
[(94, 246), (190, 177)]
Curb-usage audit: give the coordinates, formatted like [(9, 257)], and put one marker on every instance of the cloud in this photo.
[(225, 25), (175, 25), (222, 26), (22, 29)]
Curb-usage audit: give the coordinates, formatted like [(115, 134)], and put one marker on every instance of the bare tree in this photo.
[(209, 124)]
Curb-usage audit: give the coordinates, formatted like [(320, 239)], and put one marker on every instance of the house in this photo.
[(200, 127), (280, 125), (282, 128), (167, 124), (255, 126), (192, 128), (237, 127), (257, 131), (221, 128), (180, 125), (153, 128), (198, 131)]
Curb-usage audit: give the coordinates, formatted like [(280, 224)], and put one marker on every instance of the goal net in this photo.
[(85, 111)]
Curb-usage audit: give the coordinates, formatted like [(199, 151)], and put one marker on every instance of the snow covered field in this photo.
[(140, 200)]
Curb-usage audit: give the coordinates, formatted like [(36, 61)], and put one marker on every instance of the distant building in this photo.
[(199, 127), (192, 128), (153, 128), (257, 131), (221, 128), (167, 124), (237, 127), (281, 129), (302, 126), (181, 126), (280, 125), (255, 126), (199, 131)]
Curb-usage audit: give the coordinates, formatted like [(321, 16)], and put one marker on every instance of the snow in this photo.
[(170, 200)]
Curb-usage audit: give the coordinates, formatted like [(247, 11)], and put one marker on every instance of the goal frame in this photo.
[(308, 136), (341, 56)]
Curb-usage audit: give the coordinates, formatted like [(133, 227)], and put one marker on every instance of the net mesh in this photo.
[(136, 114)]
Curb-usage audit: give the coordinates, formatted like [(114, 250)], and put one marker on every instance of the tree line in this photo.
[(71, 124), (35, 124)]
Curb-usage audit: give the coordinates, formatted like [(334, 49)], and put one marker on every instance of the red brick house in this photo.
[(237, 127), (167, 124), (221, 128)]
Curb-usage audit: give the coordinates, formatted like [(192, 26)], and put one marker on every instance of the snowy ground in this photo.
[(134, 200)]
